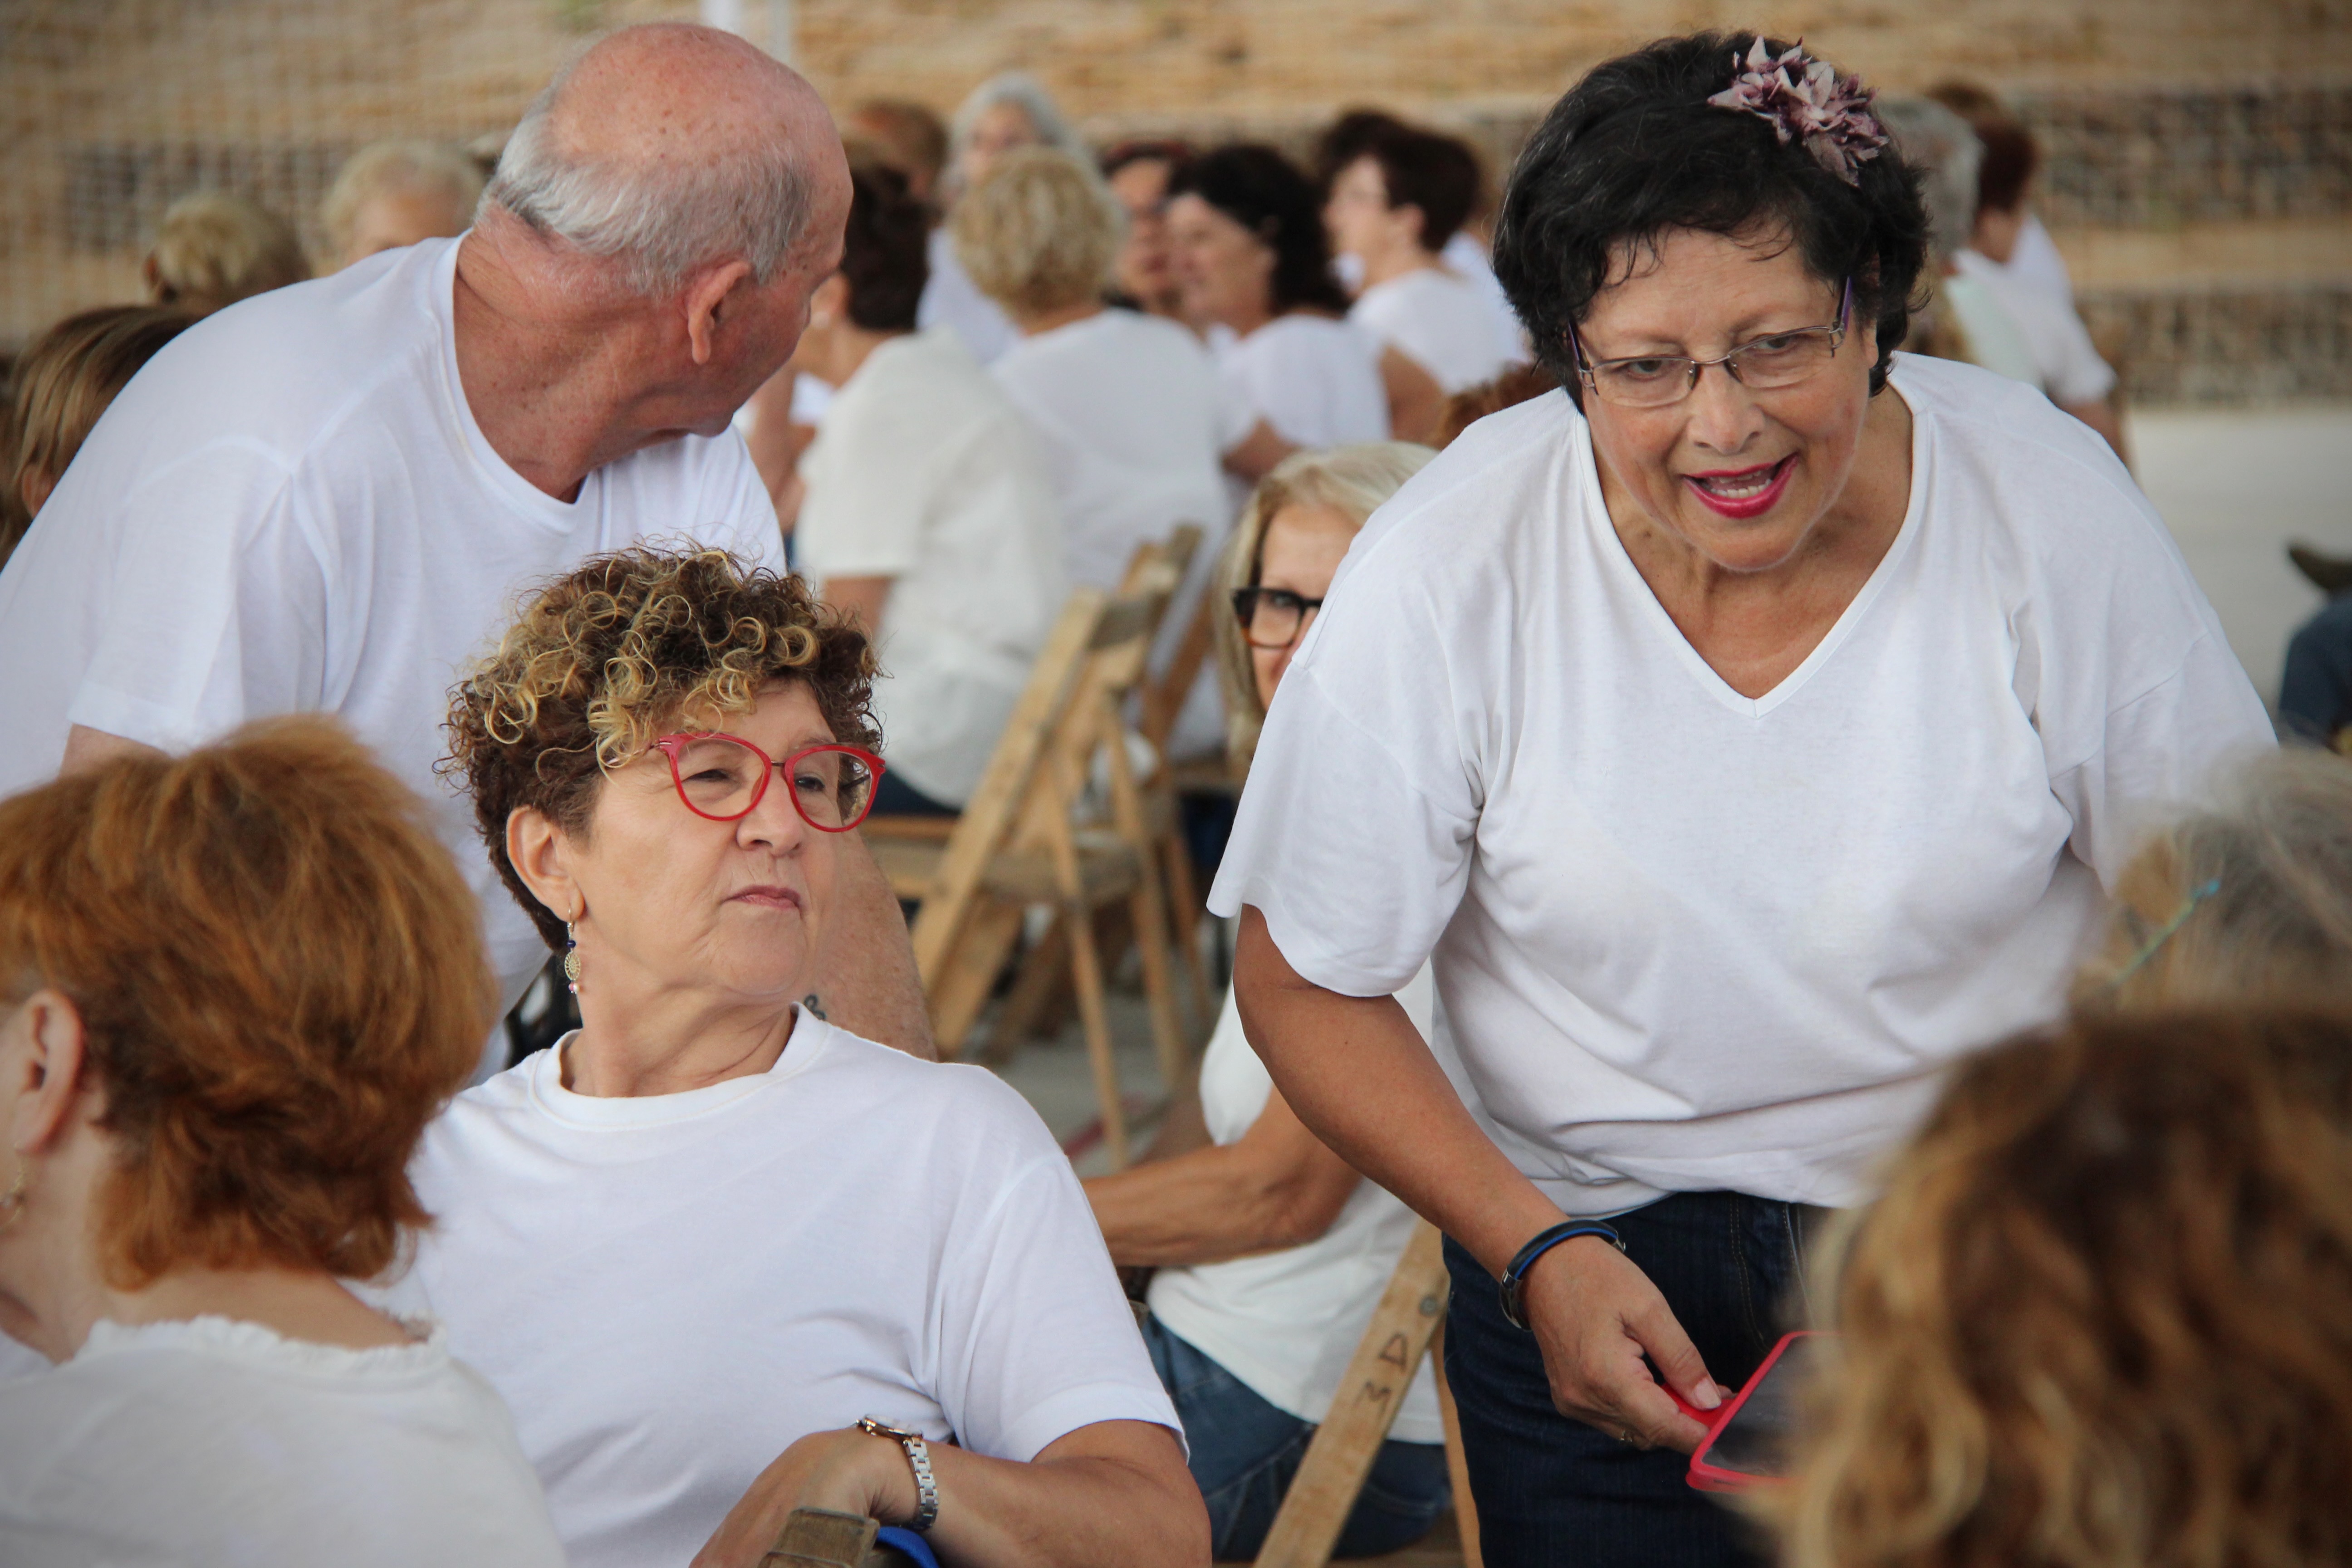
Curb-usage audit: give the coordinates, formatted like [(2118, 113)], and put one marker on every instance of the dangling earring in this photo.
[(570, 959), (12, 1201)]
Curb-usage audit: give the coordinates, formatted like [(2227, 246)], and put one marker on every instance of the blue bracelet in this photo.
[(1514, 1277)]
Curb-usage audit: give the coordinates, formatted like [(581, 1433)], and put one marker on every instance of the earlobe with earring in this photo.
[(12, 1201), (571, 958)]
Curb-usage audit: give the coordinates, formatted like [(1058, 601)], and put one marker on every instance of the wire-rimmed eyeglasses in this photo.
[(1768, 363)]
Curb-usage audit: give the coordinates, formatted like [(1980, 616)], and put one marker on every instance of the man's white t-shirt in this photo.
[(2065, 360), (925, 473), (1442, 322), (215, 1442), (669, 1290), (952, 300), (1285, 1324), (291, 509), (1686, 940)]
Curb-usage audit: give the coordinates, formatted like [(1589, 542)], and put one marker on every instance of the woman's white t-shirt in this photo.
[(1286, 1322), (1315, 379), (1683, 939), (924, 472), (1441, 321), (669, 1290), (216, 1442)]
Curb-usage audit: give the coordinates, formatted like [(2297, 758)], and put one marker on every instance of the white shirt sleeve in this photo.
[(742, 514), (1357, 881), (869, 494), (1036, 1337), (217, 608)]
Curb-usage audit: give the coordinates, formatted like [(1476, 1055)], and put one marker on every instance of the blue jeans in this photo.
[(1552, 1490), (1244, 1452)]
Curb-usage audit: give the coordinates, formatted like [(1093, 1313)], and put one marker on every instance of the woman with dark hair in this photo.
[(1748, 731), (1255, 272), (928, 510)]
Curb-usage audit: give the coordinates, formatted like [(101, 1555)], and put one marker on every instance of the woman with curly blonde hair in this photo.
[(2103, 1316), (709, 1228), (233, 988)]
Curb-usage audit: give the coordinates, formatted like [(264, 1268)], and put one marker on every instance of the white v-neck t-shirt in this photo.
[(669, 1290), (215, 1443), (291, 509), (1686, 940)]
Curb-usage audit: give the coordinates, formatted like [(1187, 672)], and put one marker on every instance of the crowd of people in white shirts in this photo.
[(944, 377)]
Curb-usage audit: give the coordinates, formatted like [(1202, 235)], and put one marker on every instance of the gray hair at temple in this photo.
[(660, 223), (1945, 152)]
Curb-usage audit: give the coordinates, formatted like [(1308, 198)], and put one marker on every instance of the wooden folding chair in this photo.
[(1403, 1329), (1023, 841), (1163, 702)]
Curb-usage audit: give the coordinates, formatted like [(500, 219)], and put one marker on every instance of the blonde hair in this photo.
[(2252, 901), (215, 248), (1040, 233), (1354, 481), (2102, 1317), (418, 168)]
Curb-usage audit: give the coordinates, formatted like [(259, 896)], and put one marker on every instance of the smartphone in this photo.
[(1749, 1440)]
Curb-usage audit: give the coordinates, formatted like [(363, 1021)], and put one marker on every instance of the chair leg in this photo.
[(1457, 1467), (1184, 903), (1043, 972), (1086, 966), (969, 975)]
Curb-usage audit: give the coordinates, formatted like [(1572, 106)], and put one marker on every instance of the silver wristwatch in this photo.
[(918, 1455)]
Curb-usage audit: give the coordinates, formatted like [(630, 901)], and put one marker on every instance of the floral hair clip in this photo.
[(1805, 99)]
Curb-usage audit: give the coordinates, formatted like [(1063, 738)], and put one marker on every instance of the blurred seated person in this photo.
[(62, 384), (927, 512), (1397, 205), (1008, 111), (695, 1243), (2102, 1313), (2250, 900), (1126, 404), (2001, 324), (215, 247), (2316, 691), (1271, 1251), (909, 137), (1467, 253), (1256, 269), (234, 986), (2006, 232), (392, 194), (1144, 278)]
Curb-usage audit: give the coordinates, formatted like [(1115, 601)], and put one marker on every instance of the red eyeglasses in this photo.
[(724, 777)]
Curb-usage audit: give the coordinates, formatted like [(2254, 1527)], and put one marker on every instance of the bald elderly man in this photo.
[(325, 498)]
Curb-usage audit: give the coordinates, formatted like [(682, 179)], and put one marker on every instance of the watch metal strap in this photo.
[(918, 1457)]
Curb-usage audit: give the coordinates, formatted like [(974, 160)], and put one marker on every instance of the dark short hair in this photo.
[(1439, 175), (1145, 149), (1352, 136), (1634, 151), (1264, 192), (885, 249), (2011, 156)]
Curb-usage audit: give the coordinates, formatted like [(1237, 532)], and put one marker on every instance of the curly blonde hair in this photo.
[(603, 661), (2102, 1317)]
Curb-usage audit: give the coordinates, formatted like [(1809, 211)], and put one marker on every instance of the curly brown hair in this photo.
[(602, 661), (2102, 1317), (280, 982)]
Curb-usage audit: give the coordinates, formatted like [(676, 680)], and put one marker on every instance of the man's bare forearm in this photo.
[(867, 979)]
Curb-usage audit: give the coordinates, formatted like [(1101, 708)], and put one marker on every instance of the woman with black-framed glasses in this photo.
[(1742, 733), (696, 1244)]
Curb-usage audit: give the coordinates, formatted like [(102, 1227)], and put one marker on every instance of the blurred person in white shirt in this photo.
[(1009, 110), (928, 512), (1138, 173), (1397, 205)]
